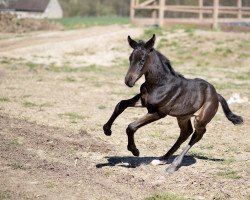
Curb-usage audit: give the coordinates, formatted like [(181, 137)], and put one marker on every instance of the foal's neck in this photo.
[(159, 69)]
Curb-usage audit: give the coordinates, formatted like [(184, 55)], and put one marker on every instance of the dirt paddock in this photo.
[(58, 88)]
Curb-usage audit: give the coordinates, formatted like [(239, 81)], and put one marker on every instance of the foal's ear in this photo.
[(132, 43), (150, 44)]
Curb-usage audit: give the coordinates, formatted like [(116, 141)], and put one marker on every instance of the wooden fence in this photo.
[(210, 15)]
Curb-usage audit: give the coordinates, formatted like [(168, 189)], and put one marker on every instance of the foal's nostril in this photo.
[(129, 81)]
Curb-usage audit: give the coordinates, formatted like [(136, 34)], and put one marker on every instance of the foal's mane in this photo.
[(166, 63), (164, 60)]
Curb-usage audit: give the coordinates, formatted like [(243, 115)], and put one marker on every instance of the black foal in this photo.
[(166, 92)]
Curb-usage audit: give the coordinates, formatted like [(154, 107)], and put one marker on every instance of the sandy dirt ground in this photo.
[(58, 88)]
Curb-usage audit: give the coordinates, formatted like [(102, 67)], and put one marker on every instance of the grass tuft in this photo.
[(148, 33), (162, 43), (4, 99), (4, 195), (231, 174), (32, 66), (108, 174), (70, 79), (29, 104), (72, 116), (101, 107), (166, 196)]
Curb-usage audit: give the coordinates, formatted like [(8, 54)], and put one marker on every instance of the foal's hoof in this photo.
[(171, 169), (107, 130), (134, 151)]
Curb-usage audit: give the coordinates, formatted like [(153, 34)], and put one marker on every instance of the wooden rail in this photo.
[(158, 8)]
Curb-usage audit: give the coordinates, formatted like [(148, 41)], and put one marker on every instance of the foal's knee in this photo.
[(121, 106), (130, 129), (200, 126)]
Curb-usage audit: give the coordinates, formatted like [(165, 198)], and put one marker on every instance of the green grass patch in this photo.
[(64, 68), (121, 62), (190, 31), (231, 174), (50, 185), (199, 154), (228, 161), (207, 147), (224, 51), (80, 22), (70, 79), (68, 69), (15, 142), (6, 194), (92, 68), (175, 45), (162, 43), (148, 33), (108, 174), (175, 29), (166, 196), (227, 51), (32, 66), (45, 105), (101, 107), (72, 116), (4, 99), (245, 76), (29, 104), (5, 61)]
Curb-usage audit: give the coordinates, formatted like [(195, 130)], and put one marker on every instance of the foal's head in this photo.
[(138, 59)]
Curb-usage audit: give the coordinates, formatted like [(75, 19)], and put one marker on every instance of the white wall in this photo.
[(53, 10)]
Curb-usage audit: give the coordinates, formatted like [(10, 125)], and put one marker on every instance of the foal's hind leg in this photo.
[(120, 107), (200, 129), (186, 130), (200, 122)]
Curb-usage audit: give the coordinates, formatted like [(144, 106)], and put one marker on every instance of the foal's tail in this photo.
[(235, 119)]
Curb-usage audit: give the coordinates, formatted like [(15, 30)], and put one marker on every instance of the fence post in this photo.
[(200, 10), (132, 10), (239, 4), (215, 14), (161, 12), (154, 12)]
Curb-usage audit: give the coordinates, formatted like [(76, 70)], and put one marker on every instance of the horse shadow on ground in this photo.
[(133, 162)]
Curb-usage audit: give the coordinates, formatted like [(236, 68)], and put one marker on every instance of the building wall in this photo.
[(21, 14), (53, 10)]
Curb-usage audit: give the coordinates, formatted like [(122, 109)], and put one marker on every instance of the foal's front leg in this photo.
[(120, 107), (132, 128)]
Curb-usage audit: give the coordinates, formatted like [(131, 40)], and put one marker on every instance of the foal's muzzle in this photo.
[(130, 80)]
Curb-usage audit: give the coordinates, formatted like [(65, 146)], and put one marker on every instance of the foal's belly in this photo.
[(179, 109), (179, 105)]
